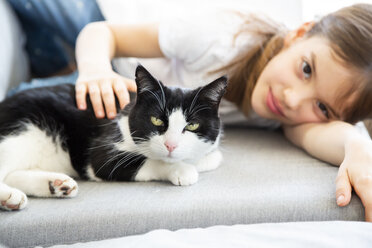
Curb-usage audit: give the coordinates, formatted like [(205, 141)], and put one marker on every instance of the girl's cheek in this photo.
[(311, 118), (306, 116), (298, 70)]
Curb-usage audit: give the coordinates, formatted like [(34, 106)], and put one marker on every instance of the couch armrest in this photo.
[(14, 65)]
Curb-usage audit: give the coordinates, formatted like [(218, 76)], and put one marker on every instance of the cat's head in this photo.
[(174, 124)]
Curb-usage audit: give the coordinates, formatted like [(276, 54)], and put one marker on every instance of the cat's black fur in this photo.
[(90, 140)]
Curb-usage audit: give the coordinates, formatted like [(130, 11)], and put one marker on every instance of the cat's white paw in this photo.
[(63, 188), (183, 175), (210, 162), (15, 200)]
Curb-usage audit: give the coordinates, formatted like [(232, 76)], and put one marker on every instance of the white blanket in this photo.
[(295, 234)]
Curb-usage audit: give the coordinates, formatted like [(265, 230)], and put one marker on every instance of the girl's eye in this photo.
[(306, 69), (323, 108), (156, 122), (192, 126)]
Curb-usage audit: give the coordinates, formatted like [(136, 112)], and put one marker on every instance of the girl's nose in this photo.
[(292, 98)]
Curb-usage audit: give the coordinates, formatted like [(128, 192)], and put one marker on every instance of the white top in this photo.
[(194, 45)]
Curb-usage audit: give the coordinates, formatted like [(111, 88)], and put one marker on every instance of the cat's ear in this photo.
[(145, 81), (214, 91)]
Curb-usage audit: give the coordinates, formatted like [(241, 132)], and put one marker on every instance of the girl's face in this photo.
[(301, 84)]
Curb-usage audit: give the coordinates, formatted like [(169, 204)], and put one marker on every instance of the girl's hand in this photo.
[(356, 171), (102, 88)]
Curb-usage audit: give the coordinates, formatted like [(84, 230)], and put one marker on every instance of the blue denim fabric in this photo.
[(51, 28), (42, 82)]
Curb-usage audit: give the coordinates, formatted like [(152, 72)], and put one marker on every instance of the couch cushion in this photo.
[(263, 179), (14, 66)]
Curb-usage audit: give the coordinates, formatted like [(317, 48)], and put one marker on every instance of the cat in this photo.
[(165, 134)]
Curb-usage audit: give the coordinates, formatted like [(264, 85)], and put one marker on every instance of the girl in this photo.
[(314, 81)]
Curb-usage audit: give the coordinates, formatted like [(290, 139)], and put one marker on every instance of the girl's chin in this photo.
[(265, 113), (261, 111)]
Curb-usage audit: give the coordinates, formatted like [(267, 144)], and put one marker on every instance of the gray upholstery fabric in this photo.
[(263, 179)]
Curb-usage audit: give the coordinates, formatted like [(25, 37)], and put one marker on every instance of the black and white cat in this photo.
[(165, 134)]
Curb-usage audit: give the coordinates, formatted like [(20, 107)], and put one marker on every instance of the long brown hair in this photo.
[(244, 71), (349, 31)]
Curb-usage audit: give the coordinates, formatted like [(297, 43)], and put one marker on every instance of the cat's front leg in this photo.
[(11, 198), (210, 162), (181, 173), (42, 183)]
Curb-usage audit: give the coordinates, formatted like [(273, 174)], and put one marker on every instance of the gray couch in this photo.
[(263, 179), (13, 60)]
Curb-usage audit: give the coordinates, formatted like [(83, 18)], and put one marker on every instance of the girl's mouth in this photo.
[(272, 104)]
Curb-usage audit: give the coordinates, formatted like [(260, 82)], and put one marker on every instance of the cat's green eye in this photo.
[(156, 121), (192, 126)]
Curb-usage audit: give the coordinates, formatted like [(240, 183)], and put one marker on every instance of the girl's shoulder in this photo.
[(207, 39), (197, 30)]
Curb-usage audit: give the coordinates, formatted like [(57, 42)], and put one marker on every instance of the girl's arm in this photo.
[(325, 141), (341, 144), (97, 44)]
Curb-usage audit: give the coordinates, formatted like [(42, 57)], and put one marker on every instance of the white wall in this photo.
[(314, 9), (290, 12), (286, 11)]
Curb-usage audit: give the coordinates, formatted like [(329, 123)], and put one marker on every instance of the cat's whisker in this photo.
[(108, 143), (139, 139), (140, 150), (107, 124), (100, 146), (199, 109), (161, 104), (109, 161), (162, 93), (194, 100), (124, 160), (117, 165)]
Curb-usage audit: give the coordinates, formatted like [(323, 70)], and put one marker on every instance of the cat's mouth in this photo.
[(170, 159)]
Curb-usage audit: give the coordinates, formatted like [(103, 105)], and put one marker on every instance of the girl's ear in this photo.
[(297, 33)]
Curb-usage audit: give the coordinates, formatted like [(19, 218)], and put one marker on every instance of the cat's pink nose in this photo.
[(170, 146)]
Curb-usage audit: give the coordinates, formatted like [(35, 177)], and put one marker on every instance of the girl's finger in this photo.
[(121, 93), (108, 99), (80, 96), (368, 213), (363, 188), (95, 98), (131, 84), (343, 187)]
